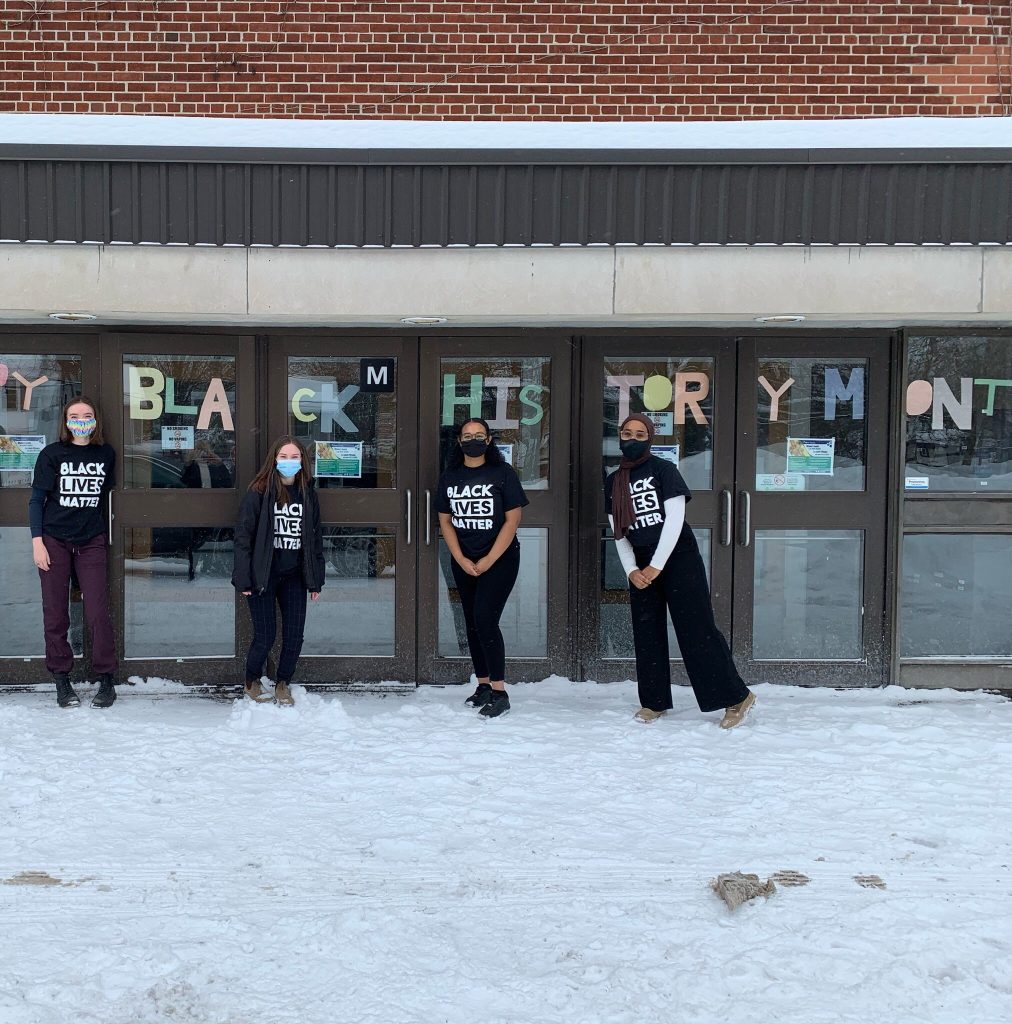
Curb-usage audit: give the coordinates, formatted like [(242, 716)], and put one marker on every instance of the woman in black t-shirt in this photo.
[(279, 561), (479, 503), (645, 500), (66, 513)]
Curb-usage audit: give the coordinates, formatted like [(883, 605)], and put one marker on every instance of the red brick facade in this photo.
[(505, 61)]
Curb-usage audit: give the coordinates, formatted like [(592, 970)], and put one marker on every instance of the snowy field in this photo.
[(378, 860)]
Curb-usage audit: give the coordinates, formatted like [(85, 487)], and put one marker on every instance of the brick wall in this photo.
[(503, 60)]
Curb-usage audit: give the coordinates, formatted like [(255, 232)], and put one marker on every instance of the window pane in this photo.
[(179, 421), (513, 396), (179, 597), (616, 639), (524, 622), (21, 600), (355, 614), (52, 382), (959, 415), (678, 393), (808, 595), (351, 433), (811, 432), (954, 598)]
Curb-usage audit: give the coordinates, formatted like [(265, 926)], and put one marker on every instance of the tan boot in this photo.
[(283, 694), (255, 691), (647, 715), (737, 713)]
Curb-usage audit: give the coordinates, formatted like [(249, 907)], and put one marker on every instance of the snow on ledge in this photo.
[(866, 133)]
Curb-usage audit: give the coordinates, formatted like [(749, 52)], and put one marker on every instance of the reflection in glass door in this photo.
[(352, 403), (811, 510), (179, 412)]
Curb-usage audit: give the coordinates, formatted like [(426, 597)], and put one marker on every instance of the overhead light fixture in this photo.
[(72, 317), (423, 321), (781, 318)]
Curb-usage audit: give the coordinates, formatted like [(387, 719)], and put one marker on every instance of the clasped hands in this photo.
[(476, 568), (642, 578)]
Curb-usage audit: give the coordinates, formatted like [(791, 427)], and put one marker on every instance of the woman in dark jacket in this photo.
[(279, 560)]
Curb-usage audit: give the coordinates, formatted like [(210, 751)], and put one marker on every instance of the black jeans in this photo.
[(681, 591), (483, 599), (289, 593)]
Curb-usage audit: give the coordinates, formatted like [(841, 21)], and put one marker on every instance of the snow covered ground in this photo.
[(396, 859)]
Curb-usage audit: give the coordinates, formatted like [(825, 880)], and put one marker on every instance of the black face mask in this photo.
[(634, 450), (474, 449)]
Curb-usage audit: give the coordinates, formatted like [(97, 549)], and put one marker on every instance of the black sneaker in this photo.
[(106, 695), (497, 704), (480, 697), (65, 695)]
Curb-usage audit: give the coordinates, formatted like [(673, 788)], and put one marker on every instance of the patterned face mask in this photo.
[(81, 426)]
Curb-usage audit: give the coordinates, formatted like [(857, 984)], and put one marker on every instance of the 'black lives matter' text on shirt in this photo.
[(75, 478), (650, 484), (288, 532), (477, 501)]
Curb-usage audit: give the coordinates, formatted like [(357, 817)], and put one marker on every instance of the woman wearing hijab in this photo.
[(645, 500)]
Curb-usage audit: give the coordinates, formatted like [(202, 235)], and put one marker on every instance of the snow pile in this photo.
[(397, 860)]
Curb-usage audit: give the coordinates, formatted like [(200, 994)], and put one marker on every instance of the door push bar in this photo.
[(744, 518)]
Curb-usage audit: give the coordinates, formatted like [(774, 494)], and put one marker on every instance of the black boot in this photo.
[(498, 704), (106, 695), (65, 695), (480, 697)]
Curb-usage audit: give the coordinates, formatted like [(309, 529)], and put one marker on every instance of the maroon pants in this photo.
[(89, 562)]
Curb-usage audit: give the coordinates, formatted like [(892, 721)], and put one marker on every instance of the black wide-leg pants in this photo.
[(681, 591)]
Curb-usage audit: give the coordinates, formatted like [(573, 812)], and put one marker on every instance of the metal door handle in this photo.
[(745, 518), (407, 518), (111, 517), (725, 518), (428, 517)]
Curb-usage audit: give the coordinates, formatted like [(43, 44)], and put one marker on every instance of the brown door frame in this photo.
[(364, 506), (867, 509), (547, 509), (51, 341), (708, 509), (161, 508)]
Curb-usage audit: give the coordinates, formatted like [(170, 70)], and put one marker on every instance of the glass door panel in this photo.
[(810, 526), (523, 390), (353, 403)]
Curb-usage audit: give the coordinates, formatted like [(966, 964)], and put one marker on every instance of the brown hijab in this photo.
[(621, 499)]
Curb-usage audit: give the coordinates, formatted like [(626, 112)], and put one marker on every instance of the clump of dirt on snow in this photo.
[(735, 888), (869, 881), (790, 878)]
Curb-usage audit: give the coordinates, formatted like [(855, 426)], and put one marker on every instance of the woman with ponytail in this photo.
[(645, 499), (278, 561)]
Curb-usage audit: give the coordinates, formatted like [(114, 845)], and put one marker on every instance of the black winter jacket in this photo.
[(254, 542)]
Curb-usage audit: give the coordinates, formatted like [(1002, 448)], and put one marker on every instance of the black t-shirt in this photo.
[(76, 477), (651, 485), (288, 531), (477, 501)]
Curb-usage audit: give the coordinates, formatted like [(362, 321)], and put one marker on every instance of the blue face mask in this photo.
[(288, 467)]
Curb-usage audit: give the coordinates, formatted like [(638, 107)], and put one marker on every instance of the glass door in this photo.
[(40, 371), (687, 385), (811, 510), (353, 403), (522, 388), (181, 413)]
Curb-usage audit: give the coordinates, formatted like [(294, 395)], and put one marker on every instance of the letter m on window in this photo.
[(377, 375)]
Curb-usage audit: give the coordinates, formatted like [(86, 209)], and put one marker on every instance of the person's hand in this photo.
[(40, 554), (468, 566), (247, 593), (314, 595), (483, 565), (638, 580), (649, 573)]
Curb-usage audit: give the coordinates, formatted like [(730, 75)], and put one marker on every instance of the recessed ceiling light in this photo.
[(780, 318), (423, 321), (72, 317)]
